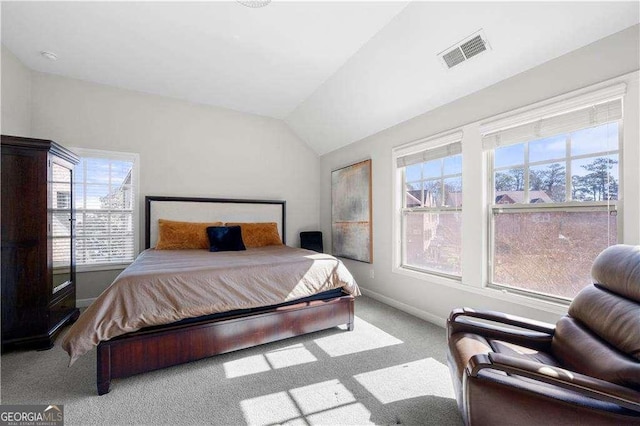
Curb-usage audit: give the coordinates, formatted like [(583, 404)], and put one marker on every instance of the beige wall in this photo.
[(429, 298), (185, 149), (195, 150), (15, 96)]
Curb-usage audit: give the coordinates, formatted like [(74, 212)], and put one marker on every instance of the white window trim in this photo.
[(545, 109), (475, 215), (423, 144), (135, 175)]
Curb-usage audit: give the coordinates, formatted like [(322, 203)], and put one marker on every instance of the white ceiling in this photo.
[(336, 72)]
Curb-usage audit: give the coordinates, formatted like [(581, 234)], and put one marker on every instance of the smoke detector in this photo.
[(254, 4), (465, 49), (49, 55)]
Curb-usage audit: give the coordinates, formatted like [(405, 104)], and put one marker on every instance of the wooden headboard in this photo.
[(189, 209)]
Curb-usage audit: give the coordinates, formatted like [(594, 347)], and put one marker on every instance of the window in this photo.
[(554, 203), (431, 205), (106, 193)]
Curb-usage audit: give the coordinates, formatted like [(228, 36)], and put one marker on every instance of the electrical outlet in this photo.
[(371, 274)]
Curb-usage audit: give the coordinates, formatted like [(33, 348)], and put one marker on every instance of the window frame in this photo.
[(476, 218), (558, 108), (400, 211), (135, 173)]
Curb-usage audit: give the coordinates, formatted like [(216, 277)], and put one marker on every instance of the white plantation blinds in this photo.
[(105, 199), (595, 109)]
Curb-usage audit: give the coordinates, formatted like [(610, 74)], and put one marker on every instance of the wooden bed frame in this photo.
[(164, 346)]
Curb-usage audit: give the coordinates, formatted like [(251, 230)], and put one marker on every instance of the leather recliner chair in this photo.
[(583, 370)]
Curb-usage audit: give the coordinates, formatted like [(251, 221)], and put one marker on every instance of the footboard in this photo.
[(149, 350)]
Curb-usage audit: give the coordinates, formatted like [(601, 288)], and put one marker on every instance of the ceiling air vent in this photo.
[(465, 49)]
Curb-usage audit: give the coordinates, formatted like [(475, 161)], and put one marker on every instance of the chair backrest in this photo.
[(601, 335)]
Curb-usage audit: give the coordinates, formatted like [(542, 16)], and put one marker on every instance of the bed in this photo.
[(170, 307)]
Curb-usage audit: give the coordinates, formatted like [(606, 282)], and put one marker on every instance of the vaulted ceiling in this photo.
[(336, 72)]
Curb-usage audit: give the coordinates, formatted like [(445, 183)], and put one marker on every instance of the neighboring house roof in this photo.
[(413, 198), (116, 192), (502, 197), (512, 197)]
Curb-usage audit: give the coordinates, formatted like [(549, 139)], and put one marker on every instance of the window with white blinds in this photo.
[(555, 175), (431, 206), (105, 195)]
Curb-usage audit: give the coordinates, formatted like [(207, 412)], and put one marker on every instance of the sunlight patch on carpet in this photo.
[(364, 337), (245, 366), (321, 396), (410, 380), (271, 360), (269, 409), (289, 356), (328, 402)]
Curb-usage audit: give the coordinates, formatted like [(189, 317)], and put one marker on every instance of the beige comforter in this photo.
[(164, 286)]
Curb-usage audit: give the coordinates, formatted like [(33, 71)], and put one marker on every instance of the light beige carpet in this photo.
[(390, 370)]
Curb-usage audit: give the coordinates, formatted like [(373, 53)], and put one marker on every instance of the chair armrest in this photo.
[(580, 383), (503, 318)]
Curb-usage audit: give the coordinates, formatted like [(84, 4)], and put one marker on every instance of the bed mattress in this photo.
[(165, 286)]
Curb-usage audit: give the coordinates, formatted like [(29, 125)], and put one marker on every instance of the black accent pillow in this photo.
[(225, 238)]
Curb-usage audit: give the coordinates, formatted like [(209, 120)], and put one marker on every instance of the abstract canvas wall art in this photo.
[(351, 226)]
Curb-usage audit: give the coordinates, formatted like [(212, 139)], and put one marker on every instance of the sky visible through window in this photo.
[(590, 155), (586, 141), (96, 178), (435, 183)]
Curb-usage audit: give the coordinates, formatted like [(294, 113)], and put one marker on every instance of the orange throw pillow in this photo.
[(259, 234), (173, 235)]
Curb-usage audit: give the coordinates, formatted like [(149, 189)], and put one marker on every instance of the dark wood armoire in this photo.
[(38, 266)]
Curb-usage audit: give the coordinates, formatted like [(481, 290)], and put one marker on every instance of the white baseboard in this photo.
[(434, 319), (83, 303)]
